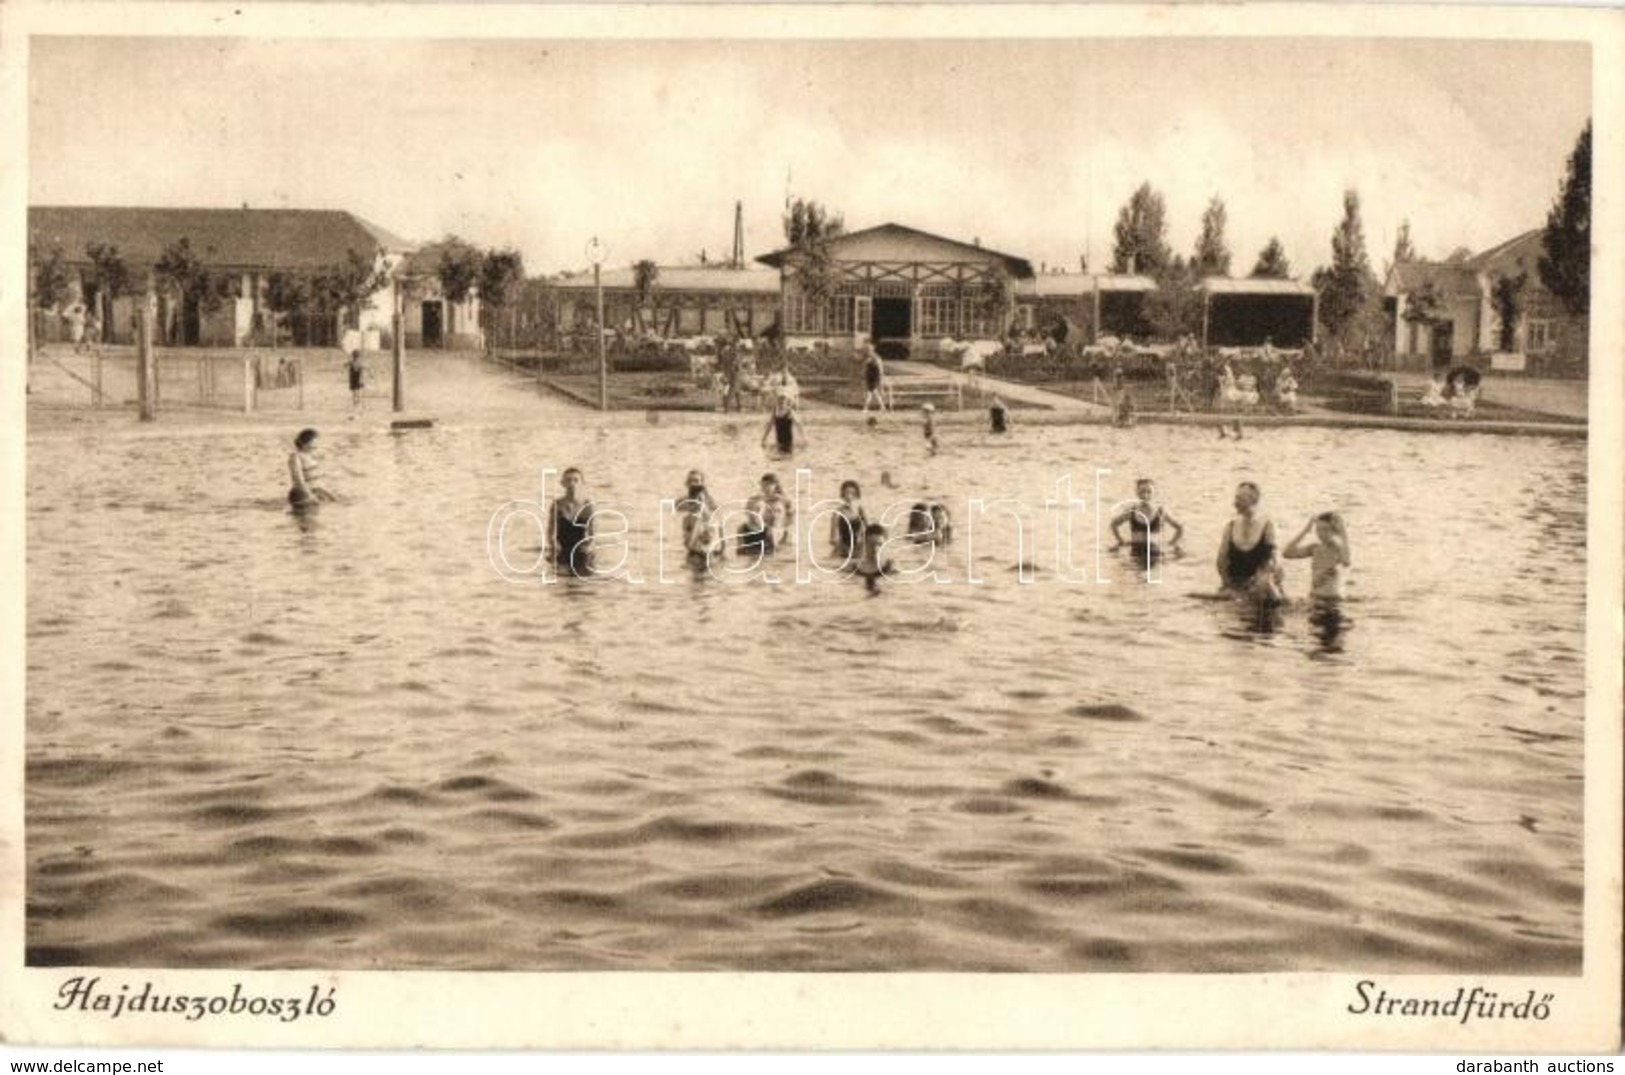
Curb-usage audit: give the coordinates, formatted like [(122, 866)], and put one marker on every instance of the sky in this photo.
[(1030, 146)]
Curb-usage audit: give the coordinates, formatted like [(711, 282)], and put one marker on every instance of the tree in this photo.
[(1507, 294), (1272, 263), (1212, 257), (50, 278), (286, 295), (1141, 234), (1565, 260), (110, 276), (645, 274), (1403, 251), (1174, 309), (807, 222), (182, 277), (501, 273), (1347, 286), (343, 288), (459, 268)]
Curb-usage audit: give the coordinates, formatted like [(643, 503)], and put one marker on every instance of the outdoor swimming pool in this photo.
[(257, 743)]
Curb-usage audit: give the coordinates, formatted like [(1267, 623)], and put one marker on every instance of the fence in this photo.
[(107, 377)]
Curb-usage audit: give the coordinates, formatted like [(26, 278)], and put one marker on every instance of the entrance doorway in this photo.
[(434, 332), (893, 319), (1444, 338)]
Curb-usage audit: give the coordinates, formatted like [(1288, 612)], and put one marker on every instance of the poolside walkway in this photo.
[(1009, 391)]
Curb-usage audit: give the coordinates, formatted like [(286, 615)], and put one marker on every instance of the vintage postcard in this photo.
[(816, 527)]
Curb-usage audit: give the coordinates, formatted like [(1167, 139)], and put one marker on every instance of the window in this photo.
[(1540, 337), (840, 314)]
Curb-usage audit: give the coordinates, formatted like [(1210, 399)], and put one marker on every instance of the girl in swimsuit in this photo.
[(767, 515), (303, 470), (1246, 562), (569, 530), (848, 525), (1145, 519)]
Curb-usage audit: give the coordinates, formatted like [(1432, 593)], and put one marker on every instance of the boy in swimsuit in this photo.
[(1328, 556), (766, 515), (569, 529), (874, 379), (358, 378), (1247, 554), (302, 469), (698, 509), (930, 412), (998, 416), (783, 425), (870, 566), (1145, 519)]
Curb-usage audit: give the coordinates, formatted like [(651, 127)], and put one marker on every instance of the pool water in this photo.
[(347, 741)]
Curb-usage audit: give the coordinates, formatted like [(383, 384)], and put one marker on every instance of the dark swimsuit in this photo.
[(355, 378), (871, 374), (784, 431), (847, 531), (997, 416), (569, 535), (1241, 566)]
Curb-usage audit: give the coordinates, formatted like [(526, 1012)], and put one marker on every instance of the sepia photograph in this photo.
[(702, 501)]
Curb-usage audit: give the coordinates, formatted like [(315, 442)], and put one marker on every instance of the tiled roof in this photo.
[(1447, 278), (691, 278), (1521, 253), (1020, 268), (227, 238)]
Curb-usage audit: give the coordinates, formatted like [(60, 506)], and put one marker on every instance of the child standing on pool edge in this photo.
[(358, 378)]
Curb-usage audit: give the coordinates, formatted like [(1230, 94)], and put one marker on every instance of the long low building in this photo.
[(1253, 311), (678, 300), (243, 250)]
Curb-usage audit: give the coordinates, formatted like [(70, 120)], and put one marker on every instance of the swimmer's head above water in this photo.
[(305, 439)]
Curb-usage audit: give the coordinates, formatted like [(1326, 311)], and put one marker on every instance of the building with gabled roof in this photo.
[(249, 245), (1445, 311), (897, 286)]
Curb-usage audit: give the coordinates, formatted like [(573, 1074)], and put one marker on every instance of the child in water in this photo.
[(847, 525), (766, 517), (697, 509), (871, 566), (998, 416), (928, 524), (1328, 555), (930, 413)]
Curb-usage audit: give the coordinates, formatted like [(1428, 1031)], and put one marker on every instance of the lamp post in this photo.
[(596, 252)]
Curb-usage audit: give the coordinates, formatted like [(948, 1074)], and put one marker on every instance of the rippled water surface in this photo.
[(257, 743)]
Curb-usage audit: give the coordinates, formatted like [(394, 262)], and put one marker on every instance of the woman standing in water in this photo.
[(569, 527), (304, 470), (1247, 555)]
